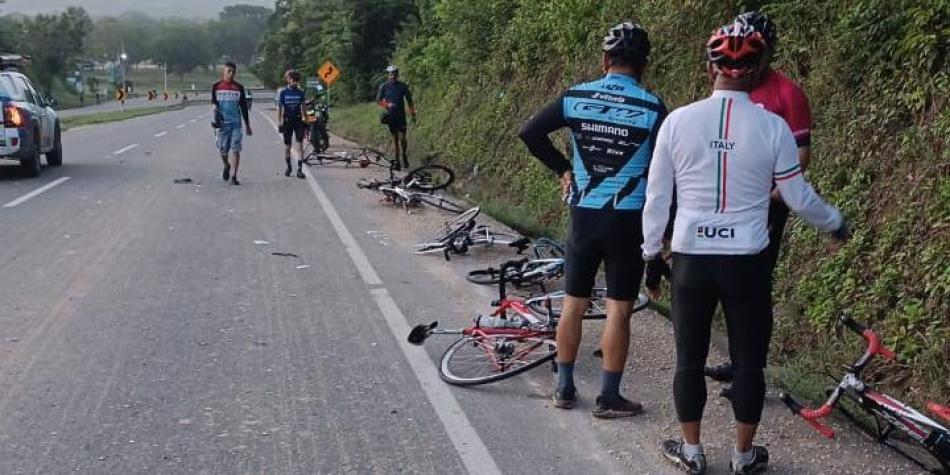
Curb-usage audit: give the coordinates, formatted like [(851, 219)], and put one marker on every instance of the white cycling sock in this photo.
[(691, 451), (742, 458)]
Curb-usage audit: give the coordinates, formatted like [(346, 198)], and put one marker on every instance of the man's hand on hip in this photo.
[(566, 180)]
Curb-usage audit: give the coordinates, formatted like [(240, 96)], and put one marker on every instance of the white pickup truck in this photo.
[(30, 125)]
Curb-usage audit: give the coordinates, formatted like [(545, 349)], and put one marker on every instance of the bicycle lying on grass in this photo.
[(519, 334), (894, 424), (416, 187)]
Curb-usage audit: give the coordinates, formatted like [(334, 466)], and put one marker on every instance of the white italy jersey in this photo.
[(723, 154)]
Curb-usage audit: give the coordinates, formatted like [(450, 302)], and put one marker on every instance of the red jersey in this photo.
[(780, 95)]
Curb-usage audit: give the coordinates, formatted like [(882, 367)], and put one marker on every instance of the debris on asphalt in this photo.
[(303, 266), (261, 243), (281, 254), (183, 180)]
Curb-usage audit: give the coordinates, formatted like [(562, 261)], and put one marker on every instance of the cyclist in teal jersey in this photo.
[(613, 123)]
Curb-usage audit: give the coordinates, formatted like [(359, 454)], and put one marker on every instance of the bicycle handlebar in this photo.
[(810, 416), (875, 347)]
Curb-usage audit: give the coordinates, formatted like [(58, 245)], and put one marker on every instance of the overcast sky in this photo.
[(182, 8)]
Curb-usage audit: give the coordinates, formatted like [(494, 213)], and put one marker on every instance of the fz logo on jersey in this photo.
[(609, 111), (712, 232)]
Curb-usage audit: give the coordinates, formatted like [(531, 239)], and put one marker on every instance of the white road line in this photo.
[(469, 446), (193, 121), (125, 149), (181, 126), (162, 133), (36, 192)]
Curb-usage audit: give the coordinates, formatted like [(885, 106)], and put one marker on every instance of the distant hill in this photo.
[(179, 8)]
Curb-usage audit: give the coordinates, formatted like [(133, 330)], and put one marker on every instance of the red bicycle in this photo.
[(516, 336), (895, 424)]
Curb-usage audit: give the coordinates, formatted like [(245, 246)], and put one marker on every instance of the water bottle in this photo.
[(488, 321)]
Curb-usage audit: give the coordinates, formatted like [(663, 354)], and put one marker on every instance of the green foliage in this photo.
[(54, 42), (183, 46), (876, 72), (357, 35)]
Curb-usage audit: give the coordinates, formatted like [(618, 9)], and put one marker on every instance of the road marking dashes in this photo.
[(125, 149)]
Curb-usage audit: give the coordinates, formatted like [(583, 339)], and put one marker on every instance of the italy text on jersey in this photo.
[(613, 121)]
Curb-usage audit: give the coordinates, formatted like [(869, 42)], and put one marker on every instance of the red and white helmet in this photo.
[(735, 49)]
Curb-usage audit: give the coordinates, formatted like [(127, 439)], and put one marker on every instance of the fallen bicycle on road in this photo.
[(417, 187), (518, 334), (463, 233)]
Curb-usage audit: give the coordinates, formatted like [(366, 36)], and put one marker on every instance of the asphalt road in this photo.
[(147, 326), (144, 331)]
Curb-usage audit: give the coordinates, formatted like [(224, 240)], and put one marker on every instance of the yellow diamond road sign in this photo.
[(329, 73)]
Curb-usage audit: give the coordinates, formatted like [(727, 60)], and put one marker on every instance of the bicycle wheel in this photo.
[(480, 359), (483, 236), (546, 248), (442, 203), (491, 276), (429, 178)]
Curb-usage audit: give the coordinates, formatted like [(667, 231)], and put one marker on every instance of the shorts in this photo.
[(229, 138), (396, 123), (294, 129), (609, 236)]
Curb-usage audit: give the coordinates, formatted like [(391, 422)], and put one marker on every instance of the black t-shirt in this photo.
[(395, 93)]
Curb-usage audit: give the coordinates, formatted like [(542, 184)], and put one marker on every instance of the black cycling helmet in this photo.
[(762, 24), (628, 40)]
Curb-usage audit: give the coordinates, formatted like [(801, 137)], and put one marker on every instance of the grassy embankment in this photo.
[(877, 75)]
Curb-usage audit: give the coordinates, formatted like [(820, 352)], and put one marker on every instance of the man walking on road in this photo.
[(290, 117), (230, 107), (780, 95), (614, 122), (391, 97), (721, 155)]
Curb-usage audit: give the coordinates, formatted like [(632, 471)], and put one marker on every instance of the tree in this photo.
[(238, 30), (55, 43), (183, 46)]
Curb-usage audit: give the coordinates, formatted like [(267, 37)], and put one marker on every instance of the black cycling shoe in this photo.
[(565, 399), (405, 162), (300, 174), (759, 463), (288, 170), (721, 372), (615, 408), (672, 450), (227, 172), (396, 166), (234, 181)]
